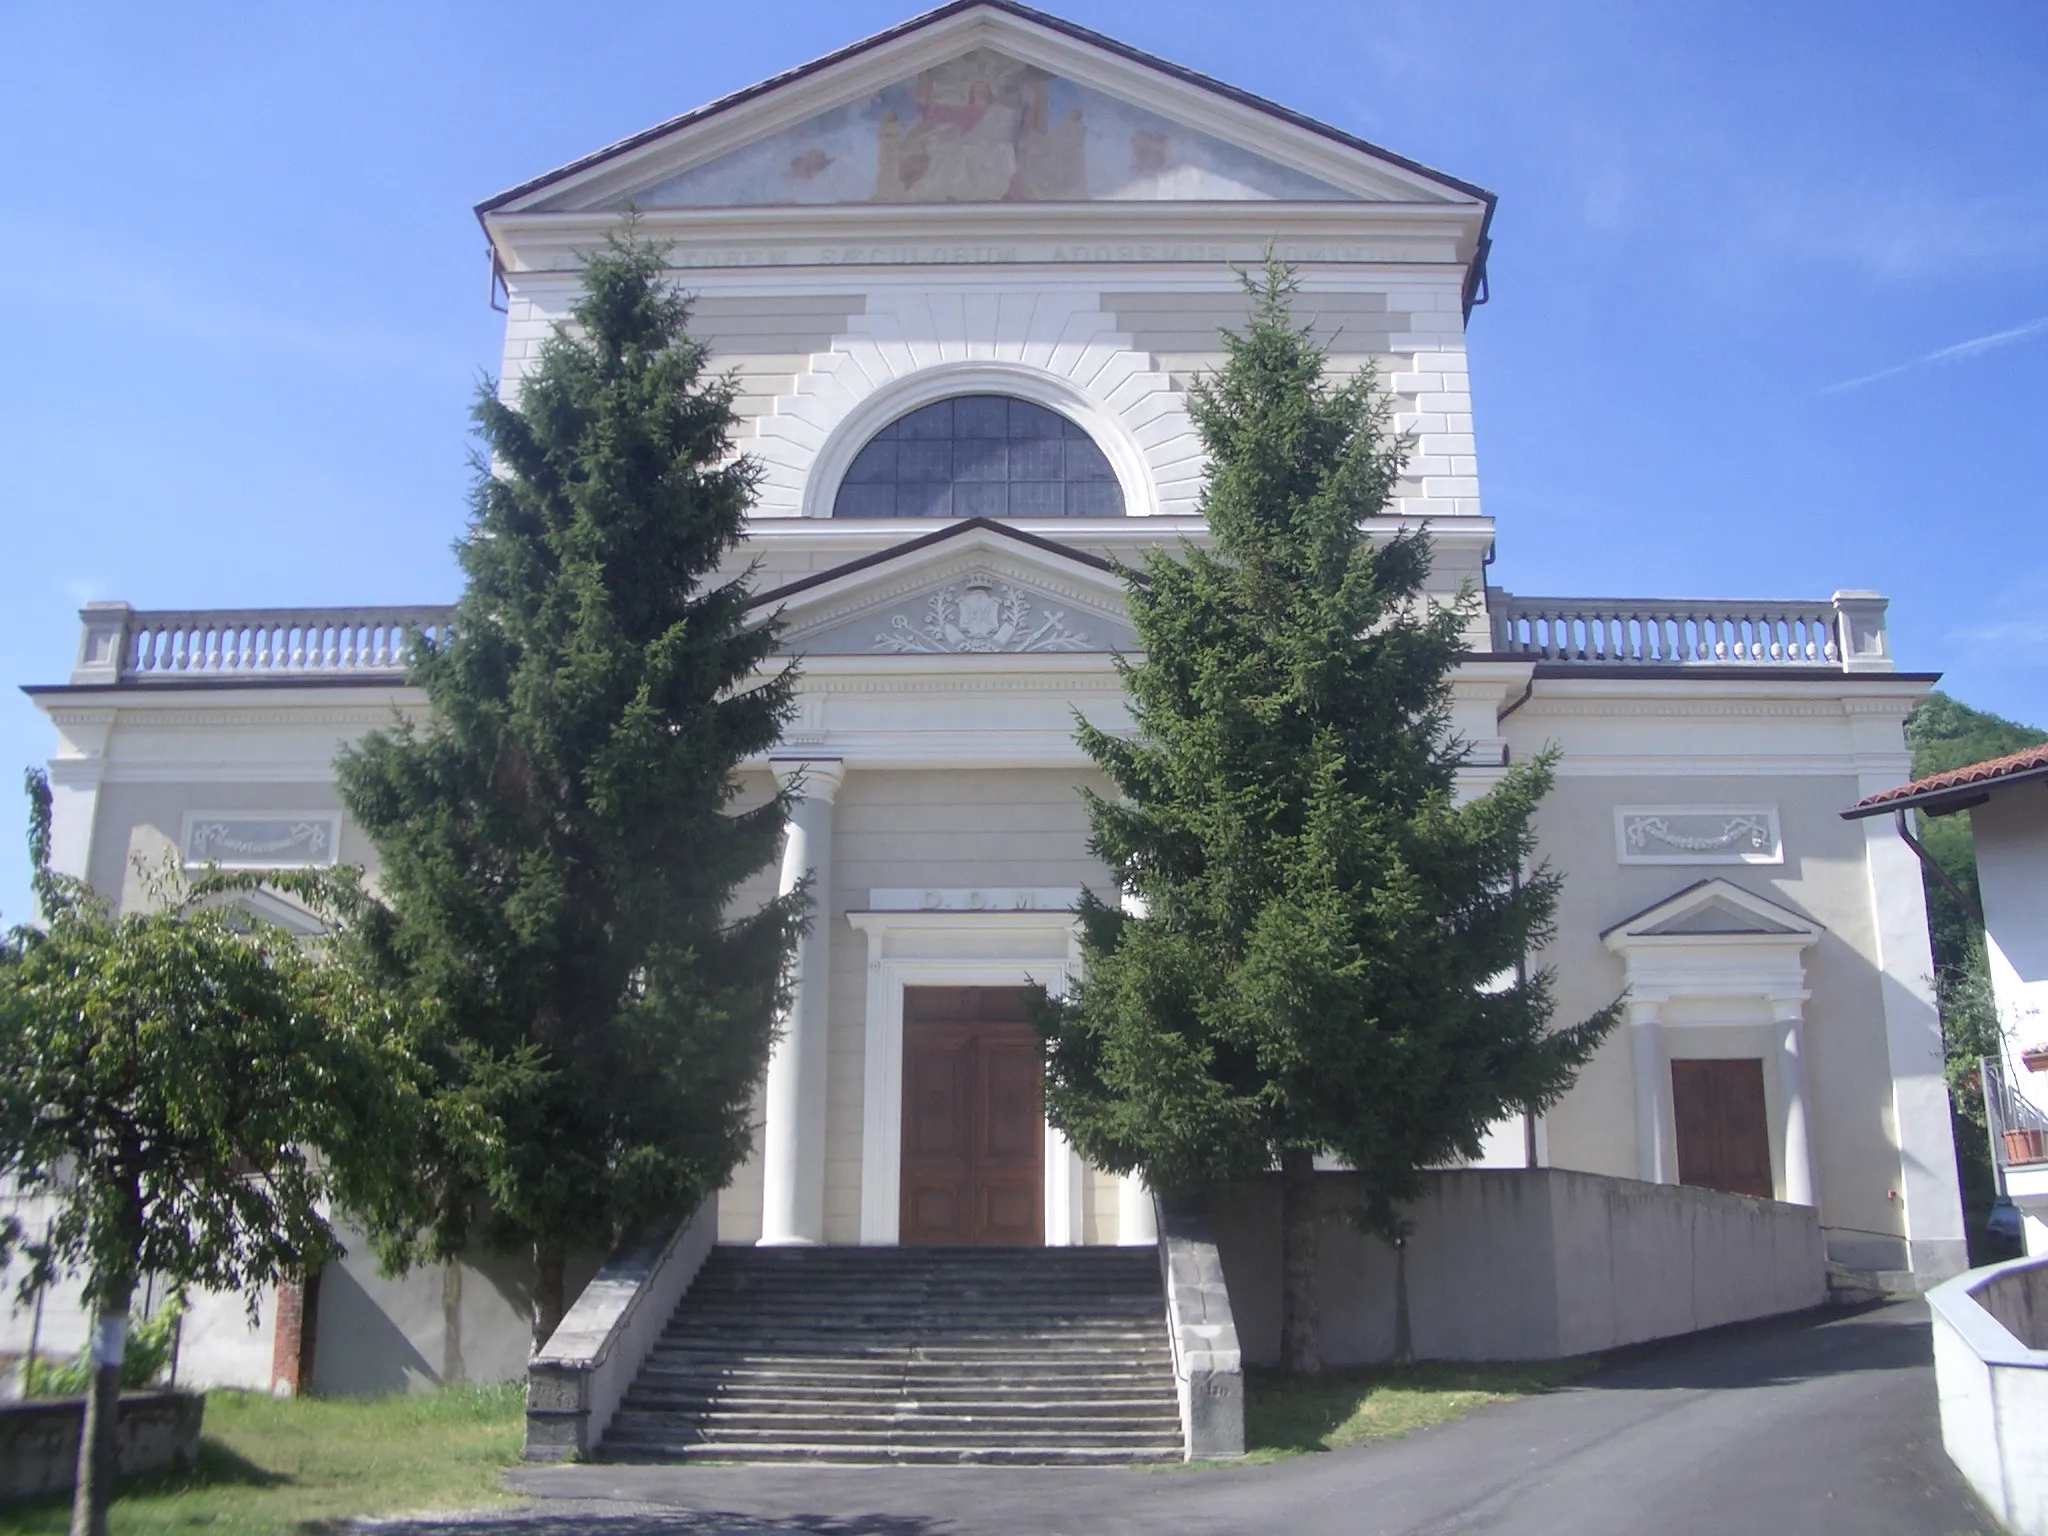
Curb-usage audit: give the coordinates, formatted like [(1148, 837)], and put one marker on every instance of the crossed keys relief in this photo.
[(980, 617)]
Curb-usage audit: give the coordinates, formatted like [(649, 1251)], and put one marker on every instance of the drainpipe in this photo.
[(1928, 863)]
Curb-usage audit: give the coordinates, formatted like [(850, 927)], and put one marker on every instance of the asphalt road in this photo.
[(1807, 1427)]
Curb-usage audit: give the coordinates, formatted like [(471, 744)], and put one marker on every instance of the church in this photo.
[(965, 272)]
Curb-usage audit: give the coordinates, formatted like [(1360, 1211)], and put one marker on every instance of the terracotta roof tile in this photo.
[(2034, 759)]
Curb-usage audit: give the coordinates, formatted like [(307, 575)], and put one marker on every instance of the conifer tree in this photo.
[(560, 844), (1316, 948)]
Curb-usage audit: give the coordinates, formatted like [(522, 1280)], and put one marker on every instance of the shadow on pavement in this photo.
[(556, 1521), (1890, 1336)]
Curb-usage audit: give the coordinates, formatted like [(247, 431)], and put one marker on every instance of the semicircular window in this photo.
[(980, 456)]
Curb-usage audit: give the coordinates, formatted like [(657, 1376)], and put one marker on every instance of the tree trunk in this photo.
[(1404, 1333), (1301, 1326), (98, 1444), (548, 1287)]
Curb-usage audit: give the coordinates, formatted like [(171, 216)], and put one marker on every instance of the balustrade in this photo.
[(1666, 632), (255, 643)]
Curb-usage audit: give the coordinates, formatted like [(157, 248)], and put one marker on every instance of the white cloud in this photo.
[(1974, 347)]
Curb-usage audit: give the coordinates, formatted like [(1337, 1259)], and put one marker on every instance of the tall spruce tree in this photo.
[(1325, 953), (560, 845)]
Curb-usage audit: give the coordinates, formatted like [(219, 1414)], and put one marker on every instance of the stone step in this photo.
[(936, 1433), (1132, 1385), (806, 1304), (961, 1389), (1010, 1358), (779, 1317), (858, 1331), (655, 1400), (955, 1346), (907, 1456), (910, 1356), (906, 1429)]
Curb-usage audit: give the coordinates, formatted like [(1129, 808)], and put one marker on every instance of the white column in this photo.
[(1653, 1091), (793, 1135), (1800, 1184), (1137, 1223), (1063, 1198)]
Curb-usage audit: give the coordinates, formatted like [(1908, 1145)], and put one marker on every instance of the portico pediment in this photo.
[(975, 589), (1708, 910), (983, 102)]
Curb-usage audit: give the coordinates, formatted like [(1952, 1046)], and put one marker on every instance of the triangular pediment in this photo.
[(1709, 910), (977, 589), (983, 102), (985, 127)]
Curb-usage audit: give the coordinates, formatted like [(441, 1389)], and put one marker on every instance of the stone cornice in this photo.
[(1429, 239)]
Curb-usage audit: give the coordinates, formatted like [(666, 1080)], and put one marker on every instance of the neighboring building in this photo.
[(2007, 799), (965, 273)]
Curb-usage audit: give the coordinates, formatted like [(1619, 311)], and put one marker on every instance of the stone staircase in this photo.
[(910, 1355)]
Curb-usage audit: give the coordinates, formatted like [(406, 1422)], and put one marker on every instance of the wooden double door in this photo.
[(1723, 1129), (973, 1170)]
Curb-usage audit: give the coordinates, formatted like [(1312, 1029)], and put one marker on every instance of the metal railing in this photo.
[(1843, 633), (2019, 1126)]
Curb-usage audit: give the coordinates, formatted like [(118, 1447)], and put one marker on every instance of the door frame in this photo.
[(992, 946)]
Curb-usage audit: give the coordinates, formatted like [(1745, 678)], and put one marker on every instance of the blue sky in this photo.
[(1769, 317)]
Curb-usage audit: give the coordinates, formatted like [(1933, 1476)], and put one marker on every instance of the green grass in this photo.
[(303, 1466), (1287, 1415)]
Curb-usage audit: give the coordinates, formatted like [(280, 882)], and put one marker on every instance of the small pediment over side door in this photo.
[(975, 592)]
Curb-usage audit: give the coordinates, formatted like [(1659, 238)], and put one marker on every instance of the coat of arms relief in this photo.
[(981, 616)]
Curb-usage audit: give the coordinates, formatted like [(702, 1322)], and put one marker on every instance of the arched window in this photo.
[(980, 456)]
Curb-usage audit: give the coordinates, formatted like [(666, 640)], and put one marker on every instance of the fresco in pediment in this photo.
[(985, 128)]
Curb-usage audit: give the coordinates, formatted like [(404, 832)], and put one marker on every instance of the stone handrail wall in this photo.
[(1208, 1367), (1842, 633), (126, 645), (39, 1439), (579, 1377), (1994, 1387)]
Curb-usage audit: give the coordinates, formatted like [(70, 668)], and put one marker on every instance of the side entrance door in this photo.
[(1724, 1136), (973, 1119)]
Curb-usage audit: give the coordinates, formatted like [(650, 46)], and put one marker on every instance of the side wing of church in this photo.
[(965, 273)]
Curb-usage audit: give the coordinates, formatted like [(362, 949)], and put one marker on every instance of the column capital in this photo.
[(821, 776), (1644, 1010), (1789, 1007)]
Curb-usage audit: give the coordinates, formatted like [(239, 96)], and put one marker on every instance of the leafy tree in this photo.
[(1945, 733), (1324, 954), (189, 1090), (560, 847)]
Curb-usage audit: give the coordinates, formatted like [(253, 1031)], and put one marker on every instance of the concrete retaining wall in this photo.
[(467, 1321), (39, 1439), (1994, 1386), (1524, 1264)]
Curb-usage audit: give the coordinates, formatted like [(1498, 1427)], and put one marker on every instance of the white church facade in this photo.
[(965, 273)]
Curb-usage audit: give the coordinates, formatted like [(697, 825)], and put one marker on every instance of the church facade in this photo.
[(965, 273)]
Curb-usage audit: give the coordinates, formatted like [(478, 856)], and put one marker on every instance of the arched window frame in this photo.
[(942, 381)]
